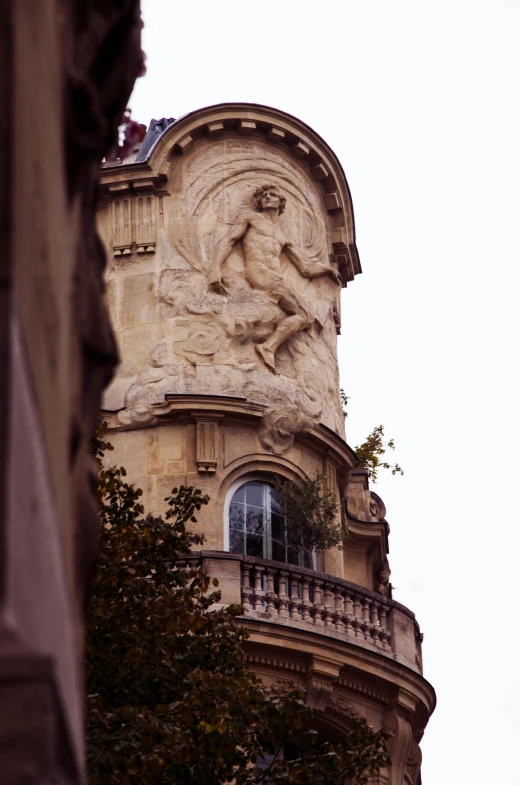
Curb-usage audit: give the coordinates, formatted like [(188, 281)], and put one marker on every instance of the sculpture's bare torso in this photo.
[(263, 242)]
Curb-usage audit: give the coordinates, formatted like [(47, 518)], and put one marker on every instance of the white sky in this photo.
[(420, 101)]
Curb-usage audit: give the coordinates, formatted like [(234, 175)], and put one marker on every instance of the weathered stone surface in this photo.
[(138, 300), (57, 352), (244, 291)]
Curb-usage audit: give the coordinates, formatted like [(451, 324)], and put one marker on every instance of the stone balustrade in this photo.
[(290, 592), (286, 594)]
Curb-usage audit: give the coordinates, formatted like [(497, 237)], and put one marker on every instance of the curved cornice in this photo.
[(237, 409), (275, 127), (391, 673)]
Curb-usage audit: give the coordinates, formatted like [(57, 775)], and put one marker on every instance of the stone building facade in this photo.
[(230, 237)]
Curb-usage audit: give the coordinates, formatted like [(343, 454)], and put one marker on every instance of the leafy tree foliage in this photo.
[(344, 398), (311, 513), (370, 453), (169, 697)]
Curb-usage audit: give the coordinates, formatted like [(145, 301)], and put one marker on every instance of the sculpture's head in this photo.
[(269, 197)]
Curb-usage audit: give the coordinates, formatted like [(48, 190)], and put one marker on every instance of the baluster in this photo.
[(357, 620), (259, 594), (375, 624), (283, 598), (366, 619), (318, 607), (294, 603), (306, 603), (328, 609), (349, 614), (385, 632), (386, 640), (246, 588), (270, 593), (338, 611)]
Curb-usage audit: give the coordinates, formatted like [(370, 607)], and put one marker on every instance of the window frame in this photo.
[(268, 483)]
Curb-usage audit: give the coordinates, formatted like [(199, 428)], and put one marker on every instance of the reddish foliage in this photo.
[(131, 132)]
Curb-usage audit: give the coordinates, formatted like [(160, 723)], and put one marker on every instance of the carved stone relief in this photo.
[(279, 426), (383, 580), (246, 294), (277, 685), (341, 704)]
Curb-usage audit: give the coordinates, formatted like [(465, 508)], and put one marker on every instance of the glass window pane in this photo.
[(277, 527), (275, 505), (236, 541), (255, 545), (248, 519), (292, 555), (264, 760), (236, 516), (254, 520), (278, 550), (255, 493), (240, 495)]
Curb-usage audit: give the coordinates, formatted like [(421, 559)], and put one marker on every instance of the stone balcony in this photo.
[(313, 602)]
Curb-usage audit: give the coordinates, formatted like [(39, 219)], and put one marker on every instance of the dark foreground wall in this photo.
[(66, 72)]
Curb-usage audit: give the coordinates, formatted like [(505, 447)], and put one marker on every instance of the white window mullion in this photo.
[(268, 540)]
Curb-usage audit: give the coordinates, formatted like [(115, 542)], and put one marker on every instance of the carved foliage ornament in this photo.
[(279, 685)]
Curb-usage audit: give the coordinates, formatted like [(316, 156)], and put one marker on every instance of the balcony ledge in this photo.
[(304, 600)]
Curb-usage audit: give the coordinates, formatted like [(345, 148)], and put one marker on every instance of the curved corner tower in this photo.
[(229, 239)]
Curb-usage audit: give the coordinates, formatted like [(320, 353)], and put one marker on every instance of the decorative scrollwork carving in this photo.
[(279, 427), (377, 507), (281, 686), (383, 579)]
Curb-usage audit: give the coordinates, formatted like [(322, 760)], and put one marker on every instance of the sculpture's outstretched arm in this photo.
[(235, 232), (308, 270)]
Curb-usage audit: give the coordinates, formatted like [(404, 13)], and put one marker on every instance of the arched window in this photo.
[(257, 528)]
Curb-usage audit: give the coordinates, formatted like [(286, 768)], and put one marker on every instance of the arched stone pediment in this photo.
[(280, 130)]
